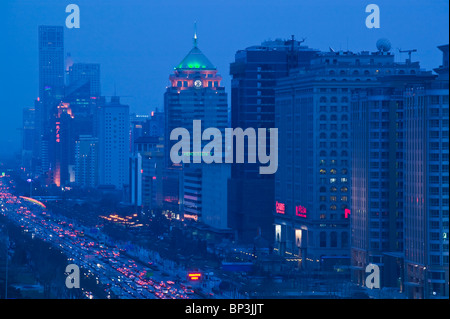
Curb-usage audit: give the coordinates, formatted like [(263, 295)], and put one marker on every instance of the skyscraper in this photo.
[(51, 59), (51, 90), (195, 93), (426, 183), (378, 162), (86, 161), (255, 72), (28, 136), (86, 72), (114, 143)]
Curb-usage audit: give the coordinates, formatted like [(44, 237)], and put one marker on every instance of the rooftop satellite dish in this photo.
[(383, 45)]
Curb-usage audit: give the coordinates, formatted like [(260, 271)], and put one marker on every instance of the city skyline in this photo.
[(134, 133), (143, 91)]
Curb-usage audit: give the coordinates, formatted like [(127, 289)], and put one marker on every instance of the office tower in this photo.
[(313, 181), (28, 136), (254, 74), (426, 197), (51, 60), (215, 199), (146, 185), (377, 175), (85, 72), (138, 127), (63, 146), (195, 93), (114, 142), (86, 161), (156, 123), (135, 175), (51, 87)]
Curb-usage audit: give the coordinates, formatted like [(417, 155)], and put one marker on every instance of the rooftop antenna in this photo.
[(195, 34), (409, 54)]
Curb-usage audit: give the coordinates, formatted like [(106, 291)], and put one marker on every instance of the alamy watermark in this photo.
[(373, 19), (73, 19), (373, 277), (213, 152), (73, 276)]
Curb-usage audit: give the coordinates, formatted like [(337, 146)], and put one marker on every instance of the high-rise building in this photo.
[(426, 184), (195, 93), (135, 175), (312, 202), (114, 143), (254, 75), (147, 167), (86, 72), (86, 161), (28, 136), (51, 60), (377, 176), (51, 90), (63, 145)]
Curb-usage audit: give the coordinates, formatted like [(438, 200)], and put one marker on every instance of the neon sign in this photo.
[(195, 276), (57, 132), (347, 212), (300, 211), (280, 208)]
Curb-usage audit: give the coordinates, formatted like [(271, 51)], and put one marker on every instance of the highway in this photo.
[(127, 278)]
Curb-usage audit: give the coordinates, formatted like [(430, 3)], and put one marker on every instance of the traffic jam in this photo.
[(122, 276)]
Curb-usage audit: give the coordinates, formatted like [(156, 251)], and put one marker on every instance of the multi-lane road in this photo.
[(125, 276)]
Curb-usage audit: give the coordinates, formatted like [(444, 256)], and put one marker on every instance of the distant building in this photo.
[(86, 72), (255, 72), (51, 59), (114, 143), (86, 161), (146, 172), (51, 91), (28, 136)]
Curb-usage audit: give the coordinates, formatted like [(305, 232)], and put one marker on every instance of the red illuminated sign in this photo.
[(347, 212), (57, 132), (280, 208), (300, 211), (195, 276)]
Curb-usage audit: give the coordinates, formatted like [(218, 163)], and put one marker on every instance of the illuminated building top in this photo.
[(195, 71)]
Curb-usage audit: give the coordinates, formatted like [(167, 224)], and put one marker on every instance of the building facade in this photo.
[(312, 205), (426, 197), (254, 72), (114, 143), (195, 93)]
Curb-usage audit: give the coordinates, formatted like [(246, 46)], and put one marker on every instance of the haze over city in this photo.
[(247, 150), (138, 43)]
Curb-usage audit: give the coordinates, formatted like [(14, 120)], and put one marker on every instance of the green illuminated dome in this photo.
[(195, 59)]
